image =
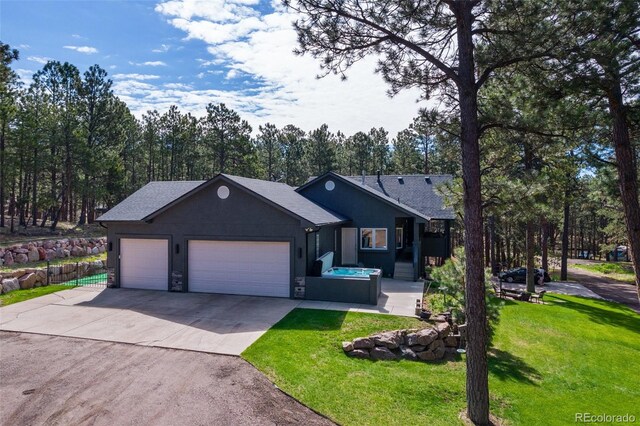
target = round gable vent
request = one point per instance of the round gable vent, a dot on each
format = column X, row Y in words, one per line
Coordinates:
column 223, row 192
column 329, row 185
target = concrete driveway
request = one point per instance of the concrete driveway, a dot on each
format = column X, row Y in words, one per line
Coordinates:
column 48, row 380
column 212, row 323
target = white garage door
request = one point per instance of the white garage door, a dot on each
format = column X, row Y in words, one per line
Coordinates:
column 239, row 267
column 144, row 263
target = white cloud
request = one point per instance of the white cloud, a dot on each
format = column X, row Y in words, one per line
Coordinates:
column 283, row 88
column 23, row 46
column 162, row 49
column 83, row 49
column 177, row 86
column 25, row 75
column 39, row 59
column 149, row 64
column 113, row 67
column 136, row 76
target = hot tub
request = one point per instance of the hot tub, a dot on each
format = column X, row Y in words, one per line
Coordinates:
column 354, row 273
column 342, row 284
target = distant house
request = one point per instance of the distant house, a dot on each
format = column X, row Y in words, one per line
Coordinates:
column 237, row 235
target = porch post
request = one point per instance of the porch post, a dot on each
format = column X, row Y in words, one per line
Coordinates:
column 416, row 250
column 447, row 237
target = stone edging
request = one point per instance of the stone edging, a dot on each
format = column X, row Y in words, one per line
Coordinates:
column 427, row 344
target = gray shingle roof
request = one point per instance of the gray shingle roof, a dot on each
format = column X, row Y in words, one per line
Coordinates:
column 413, row 191
column 286, row 197
column 149, row 199
column 156, row 195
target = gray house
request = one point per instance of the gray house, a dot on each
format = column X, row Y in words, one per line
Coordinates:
column 237, row 235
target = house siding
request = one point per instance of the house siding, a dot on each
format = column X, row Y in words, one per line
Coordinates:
column 365, row 211
column 204, row 216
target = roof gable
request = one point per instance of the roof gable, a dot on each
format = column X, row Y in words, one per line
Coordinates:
column 156, row 197
column 414, row 195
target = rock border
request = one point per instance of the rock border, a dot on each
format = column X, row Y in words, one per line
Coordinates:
column 427, row 344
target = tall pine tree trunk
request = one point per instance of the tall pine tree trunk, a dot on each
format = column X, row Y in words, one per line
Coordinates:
column 477, row 383
column 627, row 175
column 565, row 237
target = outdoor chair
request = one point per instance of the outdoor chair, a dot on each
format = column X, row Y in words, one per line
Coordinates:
column 537, row 297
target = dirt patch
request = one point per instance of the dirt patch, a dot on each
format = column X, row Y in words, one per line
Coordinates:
column 59, row 380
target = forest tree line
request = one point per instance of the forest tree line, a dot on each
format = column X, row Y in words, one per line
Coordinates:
column 70, row 146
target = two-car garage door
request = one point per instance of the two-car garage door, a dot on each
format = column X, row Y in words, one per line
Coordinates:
column 257, row 268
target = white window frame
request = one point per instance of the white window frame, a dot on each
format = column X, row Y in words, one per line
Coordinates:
column 373, row 239
column 400, row 232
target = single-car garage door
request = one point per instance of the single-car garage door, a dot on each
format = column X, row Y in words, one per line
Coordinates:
column 256, row 268
column 144, row 263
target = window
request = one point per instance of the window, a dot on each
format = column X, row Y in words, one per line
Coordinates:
column 373, row 238
column 399, row 238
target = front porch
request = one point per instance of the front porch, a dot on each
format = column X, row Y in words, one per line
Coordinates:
column 418, row 245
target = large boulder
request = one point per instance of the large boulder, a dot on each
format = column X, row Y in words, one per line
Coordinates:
column 33, row 255
column 363, row 343
column 382, row 353
column 390, row 339
column 95, row 250
column 411, row 339
column 8, row 258
column 347, row 346
column 451, row 341
column 42, row 253
column 10, row 284
column 48, row 245
column 101, row 249
column 426, row 336
column 68, row 267
column 426, row 356
column 51, row 254
column 77, row 251
column 444, row 329
column 27, row 281
column 22, row 258
column 407, row 353
column 359, row 353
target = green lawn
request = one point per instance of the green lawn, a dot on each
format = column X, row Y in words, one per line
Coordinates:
column 548, row 362
column 22, row 295
column 621, row 271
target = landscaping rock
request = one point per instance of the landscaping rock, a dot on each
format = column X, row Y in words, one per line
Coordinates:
column 359, row 353
column 95, row 250
column 8, row 258
column 390, row 339
column 347, row 346
column 10, row 284
column 42, row 254
column 27, row 281
column 77, row 251
column 68, row 267
column 426, row 356
column 426, row 336
column 407, row 353
column 363, row 343
column 381, row 353
column 436, row 344
column 1, row 289
column 444, row 329
column 22, row 258
column 411, row 339
column 33, row 255
column 60, row 252
column 451, row 341
column 418, row 348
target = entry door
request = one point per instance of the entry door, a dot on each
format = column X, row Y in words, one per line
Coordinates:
column 144, row 263
column 349, row 246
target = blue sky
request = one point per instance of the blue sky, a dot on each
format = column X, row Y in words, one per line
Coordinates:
column 192, row 52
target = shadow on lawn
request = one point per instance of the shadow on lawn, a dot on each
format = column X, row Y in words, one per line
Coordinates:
column 311, row 319
column 506, row 366
column 603, row 312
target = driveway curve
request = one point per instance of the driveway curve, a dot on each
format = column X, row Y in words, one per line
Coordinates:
column 59, row 381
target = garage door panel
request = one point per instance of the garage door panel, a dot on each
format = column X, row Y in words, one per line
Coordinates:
column 256, row 268
column 144, row 263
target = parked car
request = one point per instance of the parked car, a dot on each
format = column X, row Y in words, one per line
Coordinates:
column 622, row 256
column 520, row 275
